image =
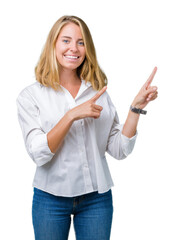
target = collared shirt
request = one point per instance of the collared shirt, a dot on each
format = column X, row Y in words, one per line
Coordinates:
column 79, row 166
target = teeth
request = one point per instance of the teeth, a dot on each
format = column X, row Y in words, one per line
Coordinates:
column 73, row 57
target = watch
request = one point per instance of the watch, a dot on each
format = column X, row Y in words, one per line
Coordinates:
column 138, row 110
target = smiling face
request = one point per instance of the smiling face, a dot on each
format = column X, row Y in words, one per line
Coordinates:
column 70, row 49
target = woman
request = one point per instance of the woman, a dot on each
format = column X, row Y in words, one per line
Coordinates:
column 68, row 122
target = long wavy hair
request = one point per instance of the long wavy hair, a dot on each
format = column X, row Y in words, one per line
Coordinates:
column 47, row 68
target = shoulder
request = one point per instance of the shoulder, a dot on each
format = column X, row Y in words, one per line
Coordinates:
column 34, row 91
column 107, row 102
column 30, row 89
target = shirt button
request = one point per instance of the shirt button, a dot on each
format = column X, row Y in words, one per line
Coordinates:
column 86, row 166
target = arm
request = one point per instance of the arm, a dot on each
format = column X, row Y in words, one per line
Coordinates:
column 35, row 138
column 145, row 95
column 56, row 135
column 130, row 126
column 41, row 146
column 87, row 109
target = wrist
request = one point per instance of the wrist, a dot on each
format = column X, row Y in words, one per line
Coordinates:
column 70, row 116
column 135, row 104
column 137, row 110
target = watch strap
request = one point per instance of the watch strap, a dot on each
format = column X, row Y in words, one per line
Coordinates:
column 137, row 110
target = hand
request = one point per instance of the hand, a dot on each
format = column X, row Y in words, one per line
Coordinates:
column 88, row 108
column 147, row 93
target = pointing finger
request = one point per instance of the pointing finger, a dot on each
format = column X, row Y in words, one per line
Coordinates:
column 99, row 93
column 149, row 80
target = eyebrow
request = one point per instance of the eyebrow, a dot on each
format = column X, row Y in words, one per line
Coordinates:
column 71, row 38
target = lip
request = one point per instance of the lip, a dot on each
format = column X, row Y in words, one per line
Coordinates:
column 71, row 57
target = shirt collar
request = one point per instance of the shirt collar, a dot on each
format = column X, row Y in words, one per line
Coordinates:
column 84, row 85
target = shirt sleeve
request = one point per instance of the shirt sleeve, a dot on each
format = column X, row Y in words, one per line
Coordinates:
column 35, row 138
column 119, row 146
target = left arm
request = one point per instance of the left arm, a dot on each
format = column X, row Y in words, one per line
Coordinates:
column 146, row 94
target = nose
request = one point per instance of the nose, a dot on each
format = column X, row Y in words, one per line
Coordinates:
column 73, row 47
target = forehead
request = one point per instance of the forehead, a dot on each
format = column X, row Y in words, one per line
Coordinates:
column 71, row 29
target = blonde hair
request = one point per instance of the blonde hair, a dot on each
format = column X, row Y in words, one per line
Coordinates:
column 47, row 70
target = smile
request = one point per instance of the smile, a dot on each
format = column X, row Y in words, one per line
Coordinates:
column 71, row 57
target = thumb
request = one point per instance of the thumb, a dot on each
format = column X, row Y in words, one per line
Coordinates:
column 150, row 90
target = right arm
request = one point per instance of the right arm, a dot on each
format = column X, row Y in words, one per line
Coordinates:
column 56, row 135
column 87, row 109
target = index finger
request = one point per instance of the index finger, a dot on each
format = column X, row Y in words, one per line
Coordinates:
column 149, row 80
column 99, row 93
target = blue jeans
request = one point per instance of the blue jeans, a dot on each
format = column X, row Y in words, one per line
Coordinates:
column 92, row 216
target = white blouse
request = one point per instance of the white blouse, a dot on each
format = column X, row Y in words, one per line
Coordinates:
column 79, row 166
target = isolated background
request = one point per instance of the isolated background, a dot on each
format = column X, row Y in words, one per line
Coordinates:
column 131, row 37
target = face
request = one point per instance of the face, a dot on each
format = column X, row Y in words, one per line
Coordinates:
column 70, row 49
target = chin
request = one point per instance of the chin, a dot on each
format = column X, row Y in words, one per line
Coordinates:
column 71, row 66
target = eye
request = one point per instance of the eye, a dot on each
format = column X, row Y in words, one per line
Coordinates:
column 81, row 43
column 65, row 40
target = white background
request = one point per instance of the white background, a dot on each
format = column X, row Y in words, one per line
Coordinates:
column 131, row 38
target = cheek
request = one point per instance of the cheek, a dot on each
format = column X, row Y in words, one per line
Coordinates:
column 60, row 49
column 59, row 53
column 83, row 53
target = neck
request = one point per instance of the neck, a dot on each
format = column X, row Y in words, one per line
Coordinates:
column 68, row 77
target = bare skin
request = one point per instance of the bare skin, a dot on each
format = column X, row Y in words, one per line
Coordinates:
column 70, row 44
column 146, row 94
column 84, row 110
column 89, row 109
